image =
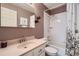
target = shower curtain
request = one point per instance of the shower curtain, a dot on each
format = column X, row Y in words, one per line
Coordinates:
column 72, row 43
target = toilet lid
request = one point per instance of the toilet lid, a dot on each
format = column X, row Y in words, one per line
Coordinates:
column 51, row 50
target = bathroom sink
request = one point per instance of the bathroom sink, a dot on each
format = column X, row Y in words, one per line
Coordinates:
column 25, row 44
column 22, row 45
column 30, row 42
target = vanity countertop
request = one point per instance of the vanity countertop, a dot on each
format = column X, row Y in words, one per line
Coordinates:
column 15, row 50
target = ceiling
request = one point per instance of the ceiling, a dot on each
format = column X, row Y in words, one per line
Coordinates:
column 25, row 6
column 30, row 7
column 52, row 5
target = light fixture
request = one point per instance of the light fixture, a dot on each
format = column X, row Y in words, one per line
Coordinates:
column 37, row 19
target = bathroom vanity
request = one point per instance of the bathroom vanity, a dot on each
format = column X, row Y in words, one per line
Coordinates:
column 38, row 51
column 34, row 47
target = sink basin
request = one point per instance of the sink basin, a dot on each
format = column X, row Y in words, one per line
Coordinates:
column 25, row 44
column 21, row 46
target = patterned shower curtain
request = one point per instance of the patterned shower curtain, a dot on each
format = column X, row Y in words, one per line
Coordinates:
column 72, row 48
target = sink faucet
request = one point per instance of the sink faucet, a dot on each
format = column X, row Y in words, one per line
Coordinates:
column 22, row 43
column 22, row 40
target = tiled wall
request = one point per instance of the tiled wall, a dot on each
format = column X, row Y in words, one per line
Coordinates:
column 13, row 33
column 58, row 28
column 39, row 28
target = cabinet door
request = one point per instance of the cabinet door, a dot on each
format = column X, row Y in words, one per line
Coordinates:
column 39, row 50
column 42, row 54
column 28, row 54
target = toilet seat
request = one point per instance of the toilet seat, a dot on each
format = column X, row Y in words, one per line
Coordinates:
column 50, row 50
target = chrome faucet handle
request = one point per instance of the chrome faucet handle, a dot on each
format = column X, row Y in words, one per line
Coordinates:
column 23, row 39
column 19, row 41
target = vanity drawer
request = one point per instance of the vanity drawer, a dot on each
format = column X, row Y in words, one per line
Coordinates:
column 39, row 50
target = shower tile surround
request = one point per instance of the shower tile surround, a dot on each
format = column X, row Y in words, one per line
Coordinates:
column 57, row 40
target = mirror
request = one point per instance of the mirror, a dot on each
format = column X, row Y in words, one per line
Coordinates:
column 17, row 15
column 8, row 17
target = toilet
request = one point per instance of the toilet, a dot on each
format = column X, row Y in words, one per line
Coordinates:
column 50, row 51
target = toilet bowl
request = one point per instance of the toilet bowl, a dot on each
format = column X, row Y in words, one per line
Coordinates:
column 50, row 51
